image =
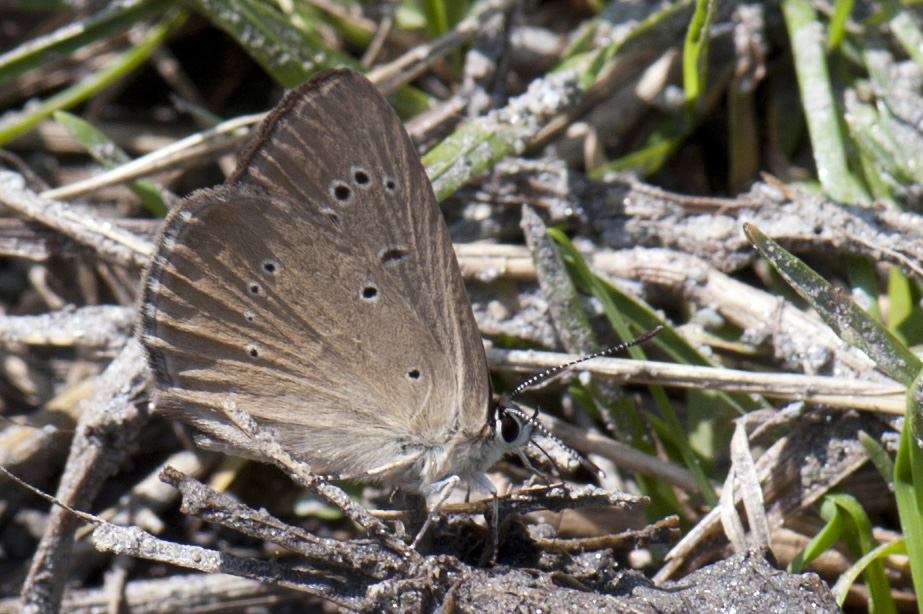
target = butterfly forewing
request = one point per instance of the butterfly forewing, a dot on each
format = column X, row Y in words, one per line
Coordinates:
column 318, row 290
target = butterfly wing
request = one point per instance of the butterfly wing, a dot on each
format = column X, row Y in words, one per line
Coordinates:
column 318, row 291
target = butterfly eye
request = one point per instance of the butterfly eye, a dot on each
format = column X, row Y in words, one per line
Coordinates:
column 510, row 427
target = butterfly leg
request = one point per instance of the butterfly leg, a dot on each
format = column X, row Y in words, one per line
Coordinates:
column 492, row 516
column 445, row 489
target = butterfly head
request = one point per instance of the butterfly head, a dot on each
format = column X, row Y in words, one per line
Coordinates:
column 510, row 427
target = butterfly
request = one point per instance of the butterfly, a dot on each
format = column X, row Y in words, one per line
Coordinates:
column 317, row 290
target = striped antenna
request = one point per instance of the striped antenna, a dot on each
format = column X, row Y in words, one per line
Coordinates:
column 553, row 371
column 506, row 402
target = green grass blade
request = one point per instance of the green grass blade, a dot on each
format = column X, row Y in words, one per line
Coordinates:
column 674, row 429
column 847, row 520
column 672, row 16
column 123, row 64
column 857, row 532
column 848, row 577
column 840, row 312
column 879, row 456
column 819, row 104
column 695, row 53
column 117, row 17
column 481, row 142
column 660, row 147
column 908, row 484
column 905, row 317
column 668, row 341
column 442, row 15
column 565, row 308
column 288, row 53
column 880, row 137
column 908, row 33
column 110, row 155
column 841, row 11
column 823, row 541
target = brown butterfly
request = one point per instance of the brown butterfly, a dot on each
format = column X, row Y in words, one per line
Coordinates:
column 318, row 291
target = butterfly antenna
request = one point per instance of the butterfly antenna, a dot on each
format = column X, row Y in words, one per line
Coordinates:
column 548, row 374
column 553, row 371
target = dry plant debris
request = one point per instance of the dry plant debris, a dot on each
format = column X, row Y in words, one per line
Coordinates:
column 603, row 170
